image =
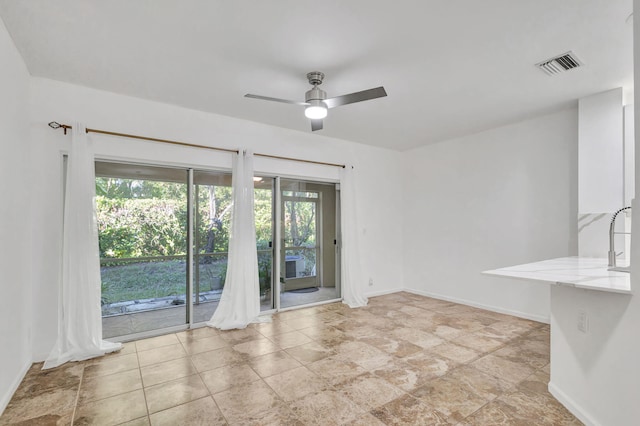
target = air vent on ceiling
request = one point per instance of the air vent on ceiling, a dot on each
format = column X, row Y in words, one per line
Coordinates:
column 565, row 62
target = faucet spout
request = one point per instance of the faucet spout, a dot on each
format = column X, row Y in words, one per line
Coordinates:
column 612, row 233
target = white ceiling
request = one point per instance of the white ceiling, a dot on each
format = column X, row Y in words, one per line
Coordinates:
column 450, row 67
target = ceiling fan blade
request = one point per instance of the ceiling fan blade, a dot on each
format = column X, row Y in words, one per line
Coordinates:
column 364, row 95
column 267, row 98
column 316, row 124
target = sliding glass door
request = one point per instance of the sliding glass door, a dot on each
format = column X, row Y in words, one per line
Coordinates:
column 146, row 217
column 142, row 223
column 164, row 241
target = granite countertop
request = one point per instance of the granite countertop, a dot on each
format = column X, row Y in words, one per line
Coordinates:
column 579, row 272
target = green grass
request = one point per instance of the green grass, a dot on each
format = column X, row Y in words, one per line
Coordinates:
column 148, row 280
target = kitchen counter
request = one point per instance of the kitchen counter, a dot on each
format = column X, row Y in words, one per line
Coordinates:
column 579, row 272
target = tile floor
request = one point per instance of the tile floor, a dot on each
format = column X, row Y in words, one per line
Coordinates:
column 402, row 360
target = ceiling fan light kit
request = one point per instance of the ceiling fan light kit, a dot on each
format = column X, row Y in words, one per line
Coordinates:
column 316, row 102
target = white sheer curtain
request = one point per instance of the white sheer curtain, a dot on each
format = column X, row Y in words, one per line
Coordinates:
column 240, row 301
column 79, row 312
column 353, row 279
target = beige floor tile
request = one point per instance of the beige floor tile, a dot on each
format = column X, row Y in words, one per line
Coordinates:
column 280, row 416
column 503, row 368
column 296, row 383
column 273, row 363
column 273, row 328
column 204, row 344
column 443, row 331
column 310, row 352
column 167, row 371
column 127, row 348
column 505, row 330
column 495, row 413
column 534, row 354
column 325, row 335
column 334, row 370
column 455, row 352
column 450, row 398
column 247, row 401
column 417, row 337
column 164, row 353
column 256, row 347
column 366, row 356
column 240, row 336
column 458, row 321
column 217, row 358
column 430, row 364
column 156, row 342
column 366, row 419
column 304, row 322
column 537, row 382
column 38, row 381
column 289, row 340
column 408, row 410
column 480, row 343
column 403, row 375
column 224, row 378
column 179, row 391
column 142, row 421
column 369, row 391
column 111, row 365
column 536, row 408
column 105, row 386
column 480, row 383
column 197, row 333
column 325, row 408
column 113, row 410
column 57, row 402
column 396, row 347
column 203, row 411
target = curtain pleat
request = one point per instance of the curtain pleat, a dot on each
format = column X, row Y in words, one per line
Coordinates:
column 353, row 279
column 240, row 300
column 79, row 310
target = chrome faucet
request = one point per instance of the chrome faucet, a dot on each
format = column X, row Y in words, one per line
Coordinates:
column 612, row 233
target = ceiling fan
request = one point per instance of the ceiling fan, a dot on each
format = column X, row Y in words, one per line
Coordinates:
column 317, row 103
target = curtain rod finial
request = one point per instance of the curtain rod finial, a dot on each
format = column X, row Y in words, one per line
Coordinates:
column 55, row 125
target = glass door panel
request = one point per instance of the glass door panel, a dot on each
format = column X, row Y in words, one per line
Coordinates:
column 308, row 266
column 142, row 225
column 263, row 207
column 212, row 213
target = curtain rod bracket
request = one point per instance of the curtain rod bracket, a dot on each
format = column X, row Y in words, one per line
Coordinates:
column 55, row 125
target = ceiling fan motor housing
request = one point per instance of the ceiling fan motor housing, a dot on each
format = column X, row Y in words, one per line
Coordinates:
column 315, row 94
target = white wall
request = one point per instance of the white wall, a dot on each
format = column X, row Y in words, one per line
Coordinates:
column 379, row 172
column 601, row 152
column 15, row 256
column 502, row 197
column 597, row 374
column 601, row 173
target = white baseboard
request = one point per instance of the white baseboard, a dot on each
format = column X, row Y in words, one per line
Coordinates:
column 6, row 398
column 570, row 405
column 525, row 315
column 383, row 292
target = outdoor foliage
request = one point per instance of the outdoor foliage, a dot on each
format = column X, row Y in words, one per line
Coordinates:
column 141, row 227
column 145, row 218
